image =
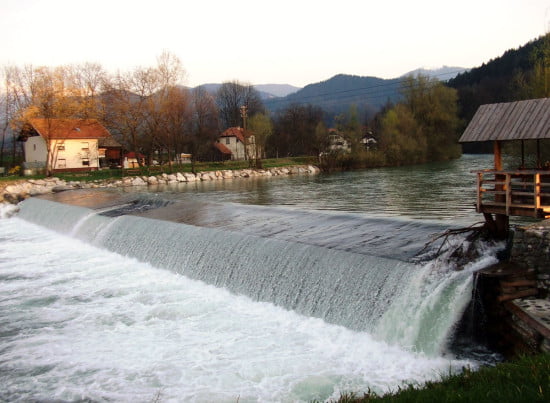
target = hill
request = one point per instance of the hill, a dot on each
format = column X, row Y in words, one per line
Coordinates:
column 277, row 90
column 338, row 93
column 441, row 73
column 266, row 91
column 510, row 77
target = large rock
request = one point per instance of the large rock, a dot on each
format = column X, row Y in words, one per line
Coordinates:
column 180, row 177
column 138, row 182
column 190, row 177
column 61, row 188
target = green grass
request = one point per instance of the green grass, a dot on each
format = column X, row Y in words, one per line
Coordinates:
column 524, row 380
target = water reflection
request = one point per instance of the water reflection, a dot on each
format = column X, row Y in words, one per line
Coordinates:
column 438, row 191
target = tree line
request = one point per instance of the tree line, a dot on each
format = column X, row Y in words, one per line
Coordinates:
column 149, row 111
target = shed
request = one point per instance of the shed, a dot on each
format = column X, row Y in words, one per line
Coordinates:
column 521, row 192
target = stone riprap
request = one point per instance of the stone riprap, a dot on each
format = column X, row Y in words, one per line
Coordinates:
column 16, row 191
column 531, row 248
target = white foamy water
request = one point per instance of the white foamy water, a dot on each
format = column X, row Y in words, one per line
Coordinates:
column 78, row 322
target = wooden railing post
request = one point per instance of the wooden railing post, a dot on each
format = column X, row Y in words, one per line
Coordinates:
column 479, row 191
column 536, row 190
column 508, row 189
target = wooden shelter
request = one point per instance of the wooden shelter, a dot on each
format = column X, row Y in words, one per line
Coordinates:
column 524, row 191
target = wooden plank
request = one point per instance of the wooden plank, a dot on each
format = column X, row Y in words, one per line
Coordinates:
column 520, row 294
column 527, row 318
column 518, row 283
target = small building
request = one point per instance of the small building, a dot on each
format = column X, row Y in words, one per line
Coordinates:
column 234, row 140
column 337, row 142
column 184, row 158
column 70, row 145
column 133, row 160
column 368, row 141
column 525, row 190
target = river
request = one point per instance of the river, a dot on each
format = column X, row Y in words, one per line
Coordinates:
column 272, row 289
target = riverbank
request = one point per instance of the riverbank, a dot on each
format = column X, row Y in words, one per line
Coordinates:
column 18, row 190
column 521, row 380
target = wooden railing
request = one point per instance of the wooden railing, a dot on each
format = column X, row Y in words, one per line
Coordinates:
column 522, row 192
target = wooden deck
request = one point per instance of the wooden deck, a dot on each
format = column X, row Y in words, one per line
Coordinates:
column 514, row 193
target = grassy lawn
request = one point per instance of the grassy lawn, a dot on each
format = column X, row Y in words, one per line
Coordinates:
column 524, row 380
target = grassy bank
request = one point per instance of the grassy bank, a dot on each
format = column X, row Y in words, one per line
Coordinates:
column 524, row 380
column 200, row 166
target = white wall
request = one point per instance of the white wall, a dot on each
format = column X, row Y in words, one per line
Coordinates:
column 237, row 147
column 75, row 154
column 35, row 150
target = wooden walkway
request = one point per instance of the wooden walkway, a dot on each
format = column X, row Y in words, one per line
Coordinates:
column 514, row 193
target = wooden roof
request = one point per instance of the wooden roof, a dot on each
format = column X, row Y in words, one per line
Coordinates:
column 520, row 120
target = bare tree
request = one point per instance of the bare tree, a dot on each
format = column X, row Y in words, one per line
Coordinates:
column 174, row 121
column 231, row 96
column 138, row 102
column 204, row 126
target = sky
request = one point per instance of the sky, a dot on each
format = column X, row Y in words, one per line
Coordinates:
column 295, row 42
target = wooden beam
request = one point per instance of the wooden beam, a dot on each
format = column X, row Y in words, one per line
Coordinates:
column 497, row 151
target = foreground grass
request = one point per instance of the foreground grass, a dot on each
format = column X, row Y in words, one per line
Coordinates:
column 524, row 380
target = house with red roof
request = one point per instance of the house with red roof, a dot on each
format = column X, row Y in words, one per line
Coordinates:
column 231, row 144
column 69, row 145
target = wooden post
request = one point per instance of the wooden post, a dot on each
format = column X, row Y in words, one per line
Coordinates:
column 501, row 220
column 497, row 151
column 479, row 191
column 508, row 189
column 536, row 189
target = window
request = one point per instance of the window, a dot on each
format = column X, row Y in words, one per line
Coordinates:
column 227, row 140
column 86, row 162
column 61, row 147
column 85, row 146
column 61, row 163
column 34, row 147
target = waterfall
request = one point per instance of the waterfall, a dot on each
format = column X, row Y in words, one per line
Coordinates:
column 415, row 306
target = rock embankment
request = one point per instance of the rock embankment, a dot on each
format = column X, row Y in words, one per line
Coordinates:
column 16, row 191
column 531, row 247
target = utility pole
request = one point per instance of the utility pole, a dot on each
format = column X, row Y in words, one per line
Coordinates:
column 244, row 116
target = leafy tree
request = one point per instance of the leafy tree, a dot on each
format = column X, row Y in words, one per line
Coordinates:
column 261, row 126
column 349, row 124
column 435, row 110
column 401, row 137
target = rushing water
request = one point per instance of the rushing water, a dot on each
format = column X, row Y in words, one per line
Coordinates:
column 280, row 289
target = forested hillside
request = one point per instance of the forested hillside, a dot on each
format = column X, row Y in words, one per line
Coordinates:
column 521, row 73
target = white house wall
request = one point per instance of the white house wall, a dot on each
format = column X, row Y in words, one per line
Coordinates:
column 237, row 147
column 35, row 151
column 75, row 154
